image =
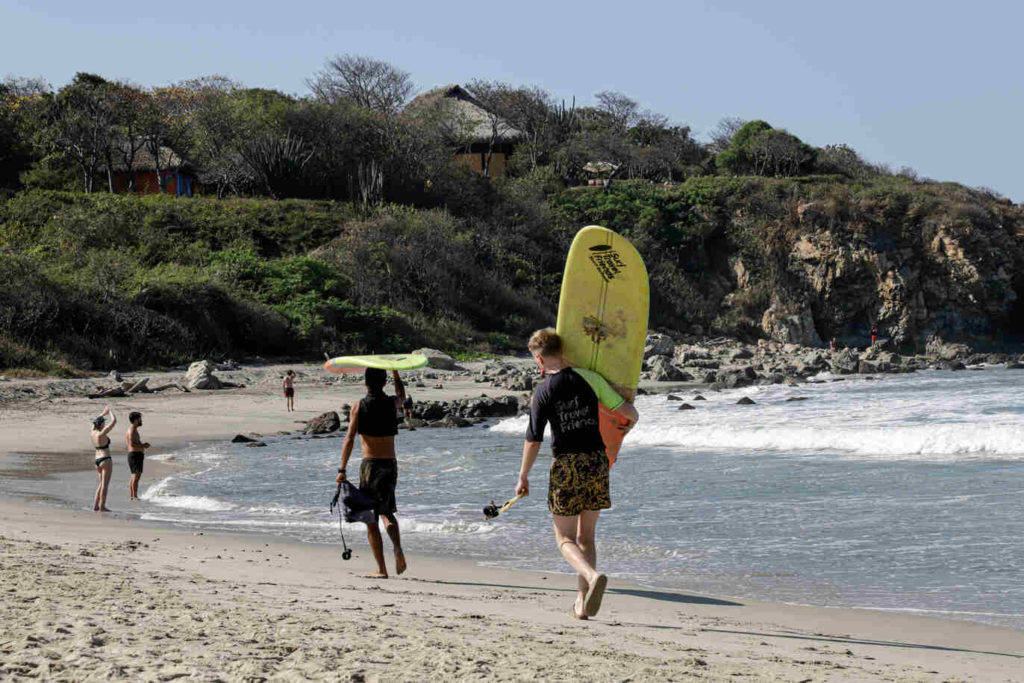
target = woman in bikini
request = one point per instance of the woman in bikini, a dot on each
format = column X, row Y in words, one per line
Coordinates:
column 578, row 485
column 104, row 463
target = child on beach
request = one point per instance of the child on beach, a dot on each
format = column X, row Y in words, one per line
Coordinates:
column 104, row 462
column 136, row 453
column 289, row 391
column 375, row 419
column 578, row 487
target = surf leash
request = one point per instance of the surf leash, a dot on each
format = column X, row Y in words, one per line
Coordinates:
column 346, row 552
column 491, row 511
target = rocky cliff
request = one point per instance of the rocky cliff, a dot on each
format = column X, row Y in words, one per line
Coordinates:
column 806, row 260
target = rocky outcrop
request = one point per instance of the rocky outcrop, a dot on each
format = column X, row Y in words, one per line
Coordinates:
column 661, row 369
column 200, row 376
column 437, row 359
column 790, row 321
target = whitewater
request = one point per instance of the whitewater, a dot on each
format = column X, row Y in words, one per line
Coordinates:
column 899, row 492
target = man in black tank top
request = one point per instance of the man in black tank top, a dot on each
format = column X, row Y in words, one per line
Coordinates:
column 374, row 419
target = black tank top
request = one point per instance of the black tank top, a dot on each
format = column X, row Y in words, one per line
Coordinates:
column 377, row 415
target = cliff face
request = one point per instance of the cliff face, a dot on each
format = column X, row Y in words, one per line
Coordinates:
column 804, row 260
column 954, row 274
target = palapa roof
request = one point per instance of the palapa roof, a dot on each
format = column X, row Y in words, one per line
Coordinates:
column 464, row 106
column 143, row 161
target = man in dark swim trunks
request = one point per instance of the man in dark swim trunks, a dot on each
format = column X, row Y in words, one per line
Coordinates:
column 375, row 419
column 136, row 454
column 289, row 391
column 578, row 486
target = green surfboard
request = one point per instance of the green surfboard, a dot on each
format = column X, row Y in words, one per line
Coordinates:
column 406, row 361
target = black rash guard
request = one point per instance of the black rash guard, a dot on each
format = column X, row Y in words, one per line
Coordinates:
column 377, row 415
column 566, row 400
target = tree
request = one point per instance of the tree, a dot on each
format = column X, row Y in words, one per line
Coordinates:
column 494, row 98
column 79, row 125
column 621, row 109
column 277, row 163
column 842, row 160
column 778, row 153
column 758, row 149
column 132, row 108
column 20, row 100
column 213, row 130
column 364, row 81
column 723, row 132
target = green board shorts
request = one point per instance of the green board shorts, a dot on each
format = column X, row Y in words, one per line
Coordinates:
column 578, row 482
column 377, row 479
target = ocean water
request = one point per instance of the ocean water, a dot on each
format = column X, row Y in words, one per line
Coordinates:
column 904, row 493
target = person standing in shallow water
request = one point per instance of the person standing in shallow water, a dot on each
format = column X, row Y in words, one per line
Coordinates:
column 578, row 487
column 289, row 391
column 104, row 461
column 136, row 454
column 375, row 419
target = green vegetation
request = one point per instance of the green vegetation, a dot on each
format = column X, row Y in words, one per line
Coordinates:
column 339, row 222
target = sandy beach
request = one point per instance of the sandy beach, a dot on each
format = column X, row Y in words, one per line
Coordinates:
column 98, row 597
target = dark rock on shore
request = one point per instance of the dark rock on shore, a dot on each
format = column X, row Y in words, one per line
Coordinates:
column 242, row 438
column 323, row 424
column 685, row 406
column 465, row 410
column 746, row 401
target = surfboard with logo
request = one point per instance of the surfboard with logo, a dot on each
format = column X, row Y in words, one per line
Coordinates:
column 602, row 315
column 406, row 361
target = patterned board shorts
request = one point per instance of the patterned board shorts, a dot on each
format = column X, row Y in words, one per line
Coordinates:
column 578, row 482
column 377, row 479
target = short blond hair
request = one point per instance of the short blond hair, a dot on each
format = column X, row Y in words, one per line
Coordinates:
column 545, row 342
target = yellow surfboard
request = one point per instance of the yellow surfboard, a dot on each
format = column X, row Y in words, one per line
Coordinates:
column 602, row 314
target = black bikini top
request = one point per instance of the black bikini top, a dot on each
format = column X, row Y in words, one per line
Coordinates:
column 102, row 448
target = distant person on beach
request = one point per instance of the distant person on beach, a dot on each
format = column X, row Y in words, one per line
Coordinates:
column 104, row 461
column 136, row 454
column 375, row 419
column 407, row 407
column 578, row 486
column 874, row 334
column 289, row 390
column 832, row 345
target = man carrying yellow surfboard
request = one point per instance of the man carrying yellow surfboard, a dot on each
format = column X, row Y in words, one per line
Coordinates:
column 375, row 420
column 578, row 487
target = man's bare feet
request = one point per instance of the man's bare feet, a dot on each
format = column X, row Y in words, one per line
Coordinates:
column 376, row 575
column 104, row 509
column 577, row 608
column 400, row 565
column 594, row 594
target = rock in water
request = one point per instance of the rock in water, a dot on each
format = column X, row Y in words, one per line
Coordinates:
column 673, row 397
column 745, row 401
column 242, row 438
column 323, row 424
column 796, row 398
column 686, row 406
column 662, row 370
column 698, row 397
column 437, row 359
column 200, row 376
column 659, row 345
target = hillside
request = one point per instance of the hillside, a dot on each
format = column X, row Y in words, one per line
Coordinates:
column 93, row 282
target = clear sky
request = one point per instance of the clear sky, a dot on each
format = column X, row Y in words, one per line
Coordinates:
column 933, row 85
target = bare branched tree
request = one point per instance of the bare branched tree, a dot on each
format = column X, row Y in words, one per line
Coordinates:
column 623, row 110
column 721, row 135
column 364, row 81
column 494, row 98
